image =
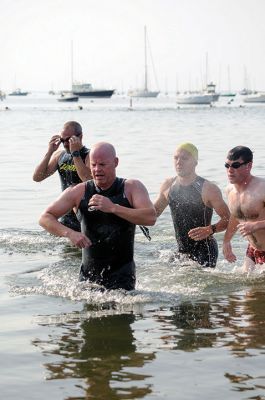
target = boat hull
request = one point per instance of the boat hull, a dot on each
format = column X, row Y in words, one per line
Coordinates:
column 18, row 94
column 228, row 95
column 255, row 99
column 68, row 98
column 143, row 93
column 196, row 99
column 94, row 93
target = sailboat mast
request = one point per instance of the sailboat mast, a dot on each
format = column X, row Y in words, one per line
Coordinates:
column 206, row 69
column 72, row 65
column 145, row 61
column 229, row 79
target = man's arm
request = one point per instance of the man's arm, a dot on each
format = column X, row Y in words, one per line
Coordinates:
column 230, row 231
column 69, row 199
column 143, row 211
column 48, row 165
column 82, row 168
column 212, row 197
column 162, row 200
column 250, row 227
column 220, row 207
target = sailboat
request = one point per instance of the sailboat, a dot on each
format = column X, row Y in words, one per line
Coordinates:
column 228, row 93
column 67, row 95
column 145, row 92
column 255, row 98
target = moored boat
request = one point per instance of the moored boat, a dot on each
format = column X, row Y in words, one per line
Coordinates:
column 2, row 95
column 210, row 89
column 68, row 97
column 18, row 92
column 86, row 90
column 191, row 98
column 145, row 92
column 228, row 94
column 255, row 98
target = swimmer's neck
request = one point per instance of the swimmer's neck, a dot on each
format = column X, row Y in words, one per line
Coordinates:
column 242, row 186
column 186, row 180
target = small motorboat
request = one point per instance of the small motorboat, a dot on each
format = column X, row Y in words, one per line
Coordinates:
column 68, row 97
column 18, row 92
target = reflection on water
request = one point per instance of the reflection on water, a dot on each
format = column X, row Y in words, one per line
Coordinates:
column 101, row 351
column 113, row 358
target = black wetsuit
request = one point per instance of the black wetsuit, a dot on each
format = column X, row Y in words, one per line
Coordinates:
column 69, row 177
column 109, row 260
column 188, row 211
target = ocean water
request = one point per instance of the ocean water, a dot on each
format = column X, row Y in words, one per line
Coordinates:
column 185, row 332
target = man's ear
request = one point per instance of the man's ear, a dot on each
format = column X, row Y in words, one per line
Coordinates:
column 249, row 165
column 116, row 161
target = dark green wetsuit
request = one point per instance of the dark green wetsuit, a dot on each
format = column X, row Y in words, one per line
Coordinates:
column 109, row 260
column 69, row 177
column 188, row 211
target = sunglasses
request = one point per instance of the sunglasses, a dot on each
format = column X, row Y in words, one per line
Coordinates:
column 67, row 139
column 236, row 165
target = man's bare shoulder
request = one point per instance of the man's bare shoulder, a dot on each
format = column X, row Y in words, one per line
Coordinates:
column 211, row 187
column 229, row 189
column 258, row 181
column 132, row 183
column 167, row 183
column 58, row 153
column 75, row 191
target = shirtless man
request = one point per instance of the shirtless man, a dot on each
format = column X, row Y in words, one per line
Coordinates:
column 109, row 208
column 246, row 201
column 71, row 162
column 192, row 200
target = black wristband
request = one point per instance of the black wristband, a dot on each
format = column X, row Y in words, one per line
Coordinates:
column 75, row 153
column 213, row 228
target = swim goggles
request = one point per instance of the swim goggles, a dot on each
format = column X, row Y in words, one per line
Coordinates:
column 236, row 164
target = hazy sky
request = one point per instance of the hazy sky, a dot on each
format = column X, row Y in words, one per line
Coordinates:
column 107, row 36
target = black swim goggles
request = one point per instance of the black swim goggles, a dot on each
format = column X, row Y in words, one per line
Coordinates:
column 236, row 164
column 67, row 139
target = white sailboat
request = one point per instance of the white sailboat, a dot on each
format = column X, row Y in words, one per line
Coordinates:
column 255, row 98
column 145, row 92
column 67, row 95
column 193, row 98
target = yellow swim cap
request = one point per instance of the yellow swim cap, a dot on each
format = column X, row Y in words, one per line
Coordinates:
column 190, row 148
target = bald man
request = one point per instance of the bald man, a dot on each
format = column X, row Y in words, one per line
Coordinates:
column 192, row 200
column 108, row 208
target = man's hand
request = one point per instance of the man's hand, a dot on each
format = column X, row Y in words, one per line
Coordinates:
column 102, row 203
column 54, row 143
column 200, row 233
column 75, row 144
column 79, row 239
column 246, row 228
column 228, row 253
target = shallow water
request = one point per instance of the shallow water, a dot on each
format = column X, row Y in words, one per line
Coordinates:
column 184, row 332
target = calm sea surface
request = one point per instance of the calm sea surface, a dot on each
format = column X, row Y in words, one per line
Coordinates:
column 184, row 333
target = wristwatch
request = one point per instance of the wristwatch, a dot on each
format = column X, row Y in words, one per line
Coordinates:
column 213, row 228
column 75, row 153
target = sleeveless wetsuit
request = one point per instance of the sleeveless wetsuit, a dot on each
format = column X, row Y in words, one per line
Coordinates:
column 188, row 211
column 109, row 260
column 69, row 177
